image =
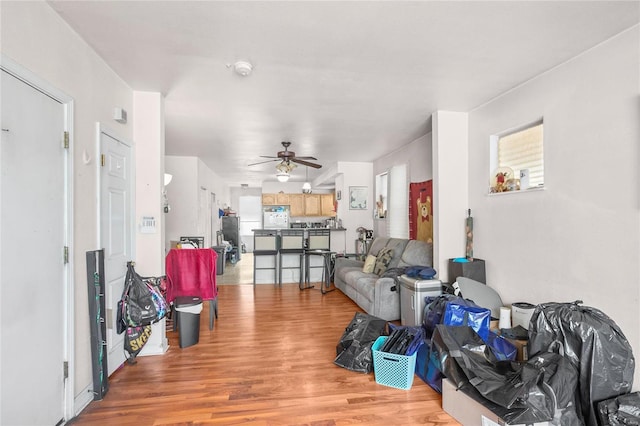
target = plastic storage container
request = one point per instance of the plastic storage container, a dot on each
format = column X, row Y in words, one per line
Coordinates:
column 521, row 313
column 188, row 310
column 461, row 267
column 221, row 252
column 412, row 294
column 392, row 370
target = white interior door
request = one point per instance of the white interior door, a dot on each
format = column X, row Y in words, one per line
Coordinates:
column 34, row 276
column 116, row 218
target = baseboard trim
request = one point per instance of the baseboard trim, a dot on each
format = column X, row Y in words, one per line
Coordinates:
column 83, row 399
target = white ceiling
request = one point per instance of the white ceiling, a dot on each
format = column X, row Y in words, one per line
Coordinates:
column 341, row 80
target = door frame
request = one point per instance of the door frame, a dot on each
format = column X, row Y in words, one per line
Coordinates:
column 41, row 85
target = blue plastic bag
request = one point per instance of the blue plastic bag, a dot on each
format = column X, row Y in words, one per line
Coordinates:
column 475, row 317
column 503, row 349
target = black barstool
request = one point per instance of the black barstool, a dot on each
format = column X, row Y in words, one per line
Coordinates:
column 291, row 243
column 319, row 244
column 265, row 244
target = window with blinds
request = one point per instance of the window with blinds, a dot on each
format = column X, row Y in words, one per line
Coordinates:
column 398, row 221
column 521, row 153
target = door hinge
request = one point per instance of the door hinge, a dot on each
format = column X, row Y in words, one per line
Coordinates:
column 66, row 254
column 65, row 369
column 66, row 140
column 102, row 160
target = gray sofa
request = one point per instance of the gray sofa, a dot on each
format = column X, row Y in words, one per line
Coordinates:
column 378, row 295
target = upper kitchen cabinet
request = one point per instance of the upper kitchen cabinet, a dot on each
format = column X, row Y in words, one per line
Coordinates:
column 296, row 204
column 282, row 199
column 327, row 207
column 312, row 205
column 301, row 205
column 269, row 200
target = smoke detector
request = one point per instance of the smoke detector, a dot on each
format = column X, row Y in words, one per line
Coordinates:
column 243, row 68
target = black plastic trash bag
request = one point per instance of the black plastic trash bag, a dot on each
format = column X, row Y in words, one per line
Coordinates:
column 542, row 389
column 593, row 343
column 623, row 410
column 354, row 349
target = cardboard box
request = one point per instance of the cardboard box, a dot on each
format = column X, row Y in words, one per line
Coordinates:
column 521, row 346
column 467, row 410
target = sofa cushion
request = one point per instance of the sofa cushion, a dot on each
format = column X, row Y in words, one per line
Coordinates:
column 382, row 261
column 377, row 245
column 366, row 287
column 416, row 253
column 352, row 276
column 398, row 246
column 369, row 263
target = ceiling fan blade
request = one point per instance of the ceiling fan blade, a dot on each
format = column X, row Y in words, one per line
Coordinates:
column 267, row 156
column 307, row 158
column 305, row 163
column 262, row 162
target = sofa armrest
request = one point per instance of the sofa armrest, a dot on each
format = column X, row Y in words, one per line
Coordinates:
column 342, row 262
column 387, row 301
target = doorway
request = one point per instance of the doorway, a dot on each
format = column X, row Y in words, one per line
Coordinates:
column 116, row 227
column 36, row 296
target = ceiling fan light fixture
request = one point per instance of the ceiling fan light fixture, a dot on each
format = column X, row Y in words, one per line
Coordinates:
column 282, row 176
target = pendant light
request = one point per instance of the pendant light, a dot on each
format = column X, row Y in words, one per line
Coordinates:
column 306, row 186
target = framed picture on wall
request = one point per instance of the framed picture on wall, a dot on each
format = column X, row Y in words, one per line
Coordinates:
column 357, row 197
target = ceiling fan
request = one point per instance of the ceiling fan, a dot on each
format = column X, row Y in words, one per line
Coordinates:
column 287, row 156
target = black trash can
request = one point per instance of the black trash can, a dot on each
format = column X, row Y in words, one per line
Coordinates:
column 220, row 251
column 188, row 310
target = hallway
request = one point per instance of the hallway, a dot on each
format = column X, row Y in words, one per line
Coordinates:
column 239, row 273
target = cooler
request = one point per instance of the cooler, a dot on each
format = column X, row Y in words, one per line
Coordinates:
column 412, row 294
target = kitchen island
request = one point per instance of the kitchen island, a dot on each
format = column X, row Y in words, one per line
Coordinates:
column 288, row 262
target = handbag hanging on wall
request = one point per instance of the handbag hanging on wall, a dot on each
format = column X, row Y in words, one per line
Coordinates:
column 140, row 308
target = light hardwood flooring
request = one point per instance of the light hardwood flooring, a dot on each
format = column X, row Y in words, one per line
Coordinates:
column 268, row 361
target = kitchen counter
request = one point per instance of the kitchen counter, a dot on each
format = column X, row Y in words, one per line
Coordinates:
column 338, row 237
column 304, row 229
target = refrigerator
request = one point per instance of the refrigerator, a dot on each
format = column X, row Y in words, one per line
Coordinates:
column 231, row 232
column 275, row 217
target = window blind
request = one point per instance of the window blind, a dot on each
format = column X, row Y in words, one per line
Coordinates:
column 398, row 202
column 524, row 150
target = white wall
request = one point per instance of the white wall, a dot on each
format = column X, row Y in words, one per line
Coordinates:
column 579, row 238
column 35, row 37
column 354, row 174
column 450, row 187
column 212, row 182
column 418, row 157
column 149, row 137
column 186, row 218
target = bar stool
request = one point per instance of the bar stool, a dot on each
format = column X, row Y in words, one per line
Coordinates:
column 291, row 242
column 319, row 242
column 265, row 245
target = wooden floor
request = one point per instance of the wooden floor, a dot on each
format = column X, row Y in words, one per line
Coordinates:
column 268, row 361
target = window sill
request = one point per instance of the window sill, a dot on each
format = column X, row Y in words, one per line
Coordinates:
column 532, row 189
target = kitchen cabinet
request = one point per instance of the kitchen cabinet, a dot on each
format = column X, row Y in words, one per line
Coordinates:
column 327, row 205
column 301, row 205
column 312, row 205
column 282, row 199
column 296, row 204
column 269, row 200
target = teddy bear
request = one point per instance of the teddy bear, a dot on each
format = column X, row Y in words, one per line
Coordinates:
column 424, row 223
column 501, row 178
